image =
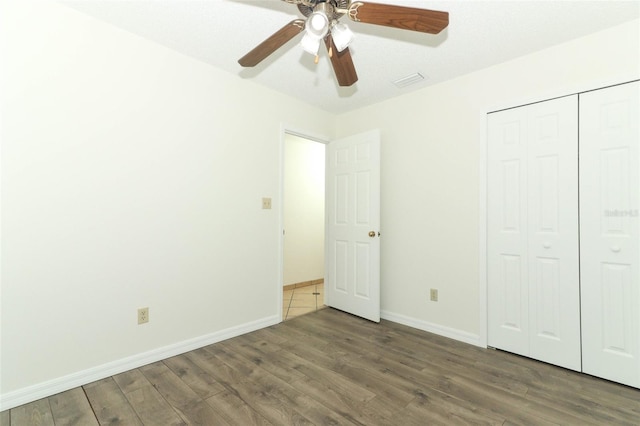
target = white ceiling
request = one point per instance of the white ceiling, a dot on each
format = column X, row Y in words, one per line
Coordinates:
column 480, row 34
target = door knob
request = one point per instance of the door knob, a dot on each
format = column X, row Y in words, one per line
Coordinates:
column 372, row 234
column 546, row 244
column 615, row 249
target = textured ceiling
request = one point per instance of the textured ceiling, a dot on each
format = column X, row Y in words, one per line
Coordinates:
column 480, row 34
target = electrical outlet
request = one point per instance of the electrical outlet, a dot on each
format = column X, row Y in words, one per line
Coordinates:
column 143, row 315
column 266, row 203
column 434, row 294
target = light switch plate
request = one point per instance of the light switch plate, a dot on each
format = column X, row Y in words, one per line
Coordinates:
column 266, row 203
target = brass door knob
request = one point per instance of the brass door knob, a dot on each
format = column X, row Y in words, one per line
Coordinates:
column 372, row 234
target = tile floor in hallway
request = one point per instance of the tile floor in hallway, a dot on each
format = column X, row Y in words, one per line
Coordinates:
column 302, row 300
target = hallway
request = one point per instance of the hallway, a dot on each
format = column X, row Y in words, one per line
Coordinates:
column 302, row 300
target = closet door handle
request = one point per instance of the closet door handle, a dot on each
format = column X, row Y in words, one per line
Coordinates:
column 615, row 249
column 546, row 244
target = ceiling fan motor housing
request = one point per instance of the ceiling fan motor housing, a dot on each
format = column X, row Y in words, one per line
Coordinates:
column 329, row 7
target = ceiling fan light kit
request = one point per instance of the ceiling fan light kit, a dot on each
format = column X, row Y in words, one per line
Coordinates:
column 322, row 24
column 317, row 25
column 310, row 44
column 316, row 29
column 342, row 36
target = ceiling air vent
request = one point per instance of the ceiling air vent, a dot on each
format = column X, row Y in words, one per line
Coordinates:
column 408, row 80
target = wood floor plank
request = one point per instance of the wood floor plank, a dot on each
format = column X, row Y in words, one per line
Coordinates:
column 235, row 366
column 357, row 370
column 220, row 371
column 369, row 407
column 109, row 404
column 366, row 375
column 72, row 408
column 268, row 360
column 266, row 335
column 280, row 388
column 35, row 413
column 237, row 412
column 5, row 418
column 237, row 378
column 201, row 382
column 440, row 408
column 298, row 336
column 438, row 360
column 315, row 411
column 436, row 377
column 145, row 400
column 586, row 408
column 391, row 370
column 270, row 334
column 514, row 408
column 266, row 383
column 340, row 384
column 354, row 411
column 152, row 408
column 131, row 380
column 180, row 396
column 442, row 363
column 273, row 409
column 364, row 356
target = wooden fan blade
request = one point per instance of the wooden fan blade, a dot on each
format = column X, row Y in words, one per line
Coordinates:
column 273, row 43
column 406, row 18
column 342, row 63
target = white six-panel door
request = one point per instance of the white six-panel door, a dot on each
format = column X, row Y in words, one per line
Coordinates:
column 533, row 278
column 352, row 272
column 610, row 232
column 508, row 294
column 554, row 281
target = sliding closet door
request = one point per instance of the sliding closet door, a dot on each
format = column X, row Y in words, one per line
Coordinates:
column 533, row 280
column 610, row 232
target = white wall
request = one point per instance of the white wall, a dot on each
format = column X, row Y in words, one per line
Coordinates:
column 303, row 210
column 432, row 157
column 130, row 179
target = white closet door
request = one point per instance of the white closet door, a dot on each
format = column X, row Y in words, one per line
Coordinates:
column 610, row 232
column 554, row 280
column 533, row 280
column 508, row 295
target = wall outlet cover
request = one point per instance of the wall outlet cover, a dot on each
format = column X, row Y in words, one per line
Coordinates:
column 143, row 315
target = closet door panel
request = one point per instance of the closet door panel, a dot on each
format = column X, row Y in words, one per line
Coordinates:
column 533, row 280
column 610, row 232
column 508, row 304
column 554, row 286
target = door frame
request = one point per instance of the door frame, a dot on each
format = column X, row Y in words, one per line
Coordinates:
column 287, row 129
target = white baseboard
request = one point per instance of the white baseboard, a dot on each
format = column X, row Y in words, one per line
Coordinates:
column 80, row 378
column 452, row 333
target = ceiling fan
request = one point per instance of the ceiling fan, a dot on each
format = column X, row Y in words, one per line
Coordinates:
column 322, row 23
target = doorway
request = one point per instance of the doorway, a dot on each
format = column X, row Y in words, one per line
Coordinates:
column 303, row 219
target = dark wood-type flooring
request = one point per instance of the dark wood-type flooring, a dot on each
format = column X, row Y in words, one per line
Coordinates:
column 329, row 367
